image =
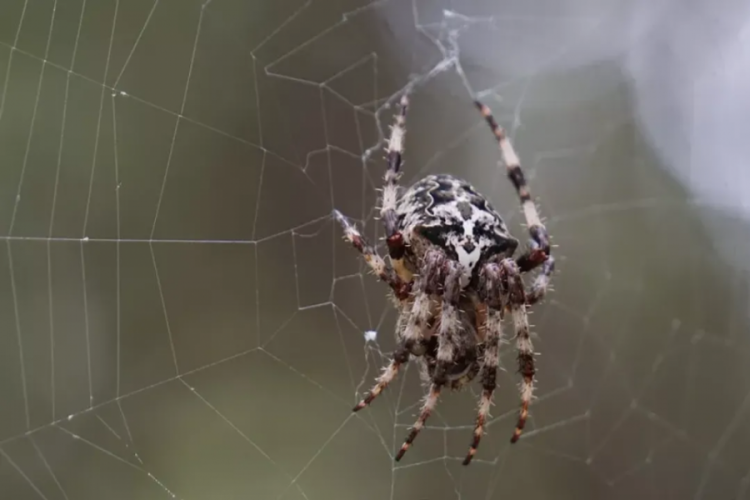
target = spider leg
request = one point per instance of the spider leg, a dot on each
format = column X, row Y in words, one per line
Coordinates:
column 409, row 332
column 526, row 367
column 385, row 272
column 449, row 326
column 400, row 357
column 492, row 299
column 541, row 283
column 395, row 149
column 490, row 360
column 429, row 405
column 539, row 252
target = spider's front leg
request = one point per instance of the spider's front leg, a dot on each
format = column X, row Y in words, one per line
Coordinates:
column 489, row 366
column 450, row 325
column 518, row 302
column 501, row 287
column 493, row 294
column 395, row 150
column 539, row 252
column 400, row 358
column 409, row 331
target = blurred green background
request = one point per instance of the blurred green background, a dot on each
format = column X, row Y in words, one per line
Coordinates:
column 179, row 316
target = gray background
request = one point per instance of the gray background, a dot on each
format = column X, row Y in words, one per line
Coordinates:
column 180, row 317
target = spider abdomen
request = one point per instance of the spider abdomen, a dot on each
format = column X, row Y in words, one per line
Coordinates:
column 446, row 211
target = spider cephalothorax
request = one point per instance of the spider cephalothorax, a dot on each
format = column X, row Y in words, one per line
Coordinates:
column 454, row 277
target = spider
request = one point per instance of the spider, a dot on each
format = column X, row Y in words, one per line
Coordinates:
column 453, row 278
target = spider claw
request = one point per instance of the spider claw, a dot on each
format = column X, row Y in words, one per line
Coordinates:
column 365, row 402
column 359, row 406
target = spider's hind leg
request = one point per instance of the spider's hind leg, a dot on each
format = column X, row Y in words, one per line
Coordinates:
column 395, row 150
column 539, row 252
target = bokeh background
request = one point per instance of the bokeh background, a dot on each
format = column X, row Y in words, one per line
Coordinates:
column 180, row 318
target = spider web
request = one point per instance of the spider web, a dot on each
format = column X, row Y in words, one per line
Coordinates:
column 180, row 317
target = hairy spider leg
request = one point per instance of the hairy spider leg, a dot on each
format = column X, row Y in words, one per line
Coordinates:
column 518, row 303
column 489, row 365
column 384, row 271
column 427, row 407
column 395, row 150
column 400, row 357
column 493, row 294
column 408, row 334
column 450, row 325
column 525, row 365
column 539, row 252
